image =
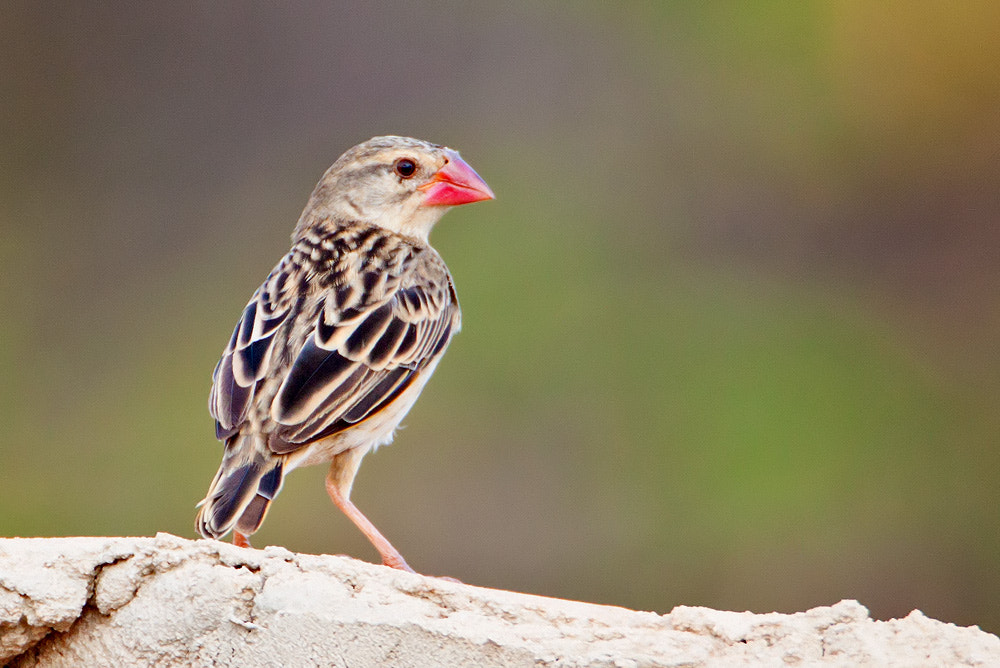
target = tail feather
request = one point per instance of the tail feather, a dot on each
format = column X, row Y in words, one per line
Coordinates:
column 255, row 511
column 248, row 479
column 253, row 515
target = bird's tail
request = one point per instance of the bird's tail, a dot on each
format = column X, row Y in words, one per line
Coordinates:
column 248, row 480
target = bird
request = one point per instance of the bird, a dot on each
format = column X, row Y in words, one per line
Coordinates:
column 334, row 347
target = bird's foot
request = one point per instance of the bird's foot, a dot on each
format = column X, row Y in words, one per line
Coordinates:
column 393, row 562
column 396, row 561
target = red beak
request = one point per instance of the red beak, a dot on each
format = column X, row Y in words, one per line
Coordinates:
column 455, row 183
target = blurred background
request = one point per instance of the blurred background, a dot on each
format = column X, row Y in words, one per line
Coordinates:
column 730, row 327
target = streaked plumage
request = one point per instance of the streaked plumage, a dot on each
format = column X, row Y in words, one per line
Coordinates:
column 335, row 346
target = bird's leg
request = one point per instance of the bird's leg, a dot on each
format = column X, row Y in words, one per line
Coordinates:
column 335, row 487
column 240, row 540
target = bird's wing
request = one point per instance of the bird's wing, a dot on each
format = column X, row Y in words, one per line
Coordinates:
column 247, row 358
column 365, row 344
column 374, row 327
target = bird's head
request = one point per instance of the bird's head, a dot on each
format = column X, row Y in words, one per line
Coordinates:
column 402, row 184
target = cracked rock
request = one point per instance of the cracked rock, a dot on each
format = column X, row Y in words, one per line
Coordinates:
column 167, row 601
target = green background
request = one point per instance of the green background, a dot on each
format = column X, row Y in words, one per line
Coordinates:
column 730, row 327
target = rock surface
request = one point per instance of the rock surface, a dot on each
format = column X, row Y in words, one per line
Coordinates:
column 167, row 601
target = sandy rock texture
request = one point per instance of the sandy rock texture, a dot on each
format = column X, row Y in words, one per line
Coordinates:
column 168, row 601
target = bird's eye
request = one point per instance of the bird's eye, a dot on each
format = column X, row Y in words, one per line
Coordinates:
column 405, row 167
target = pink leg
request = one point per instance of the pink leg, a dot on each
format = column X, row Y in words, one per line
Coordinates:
column 240, row 540
column 390, row 555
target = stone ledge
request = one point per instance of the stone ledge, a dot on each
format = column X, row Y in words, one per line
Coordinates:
column 168, row 601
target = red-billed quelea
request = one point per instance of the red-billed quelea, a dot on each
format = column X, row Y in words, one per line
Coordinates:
column 336, row 345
